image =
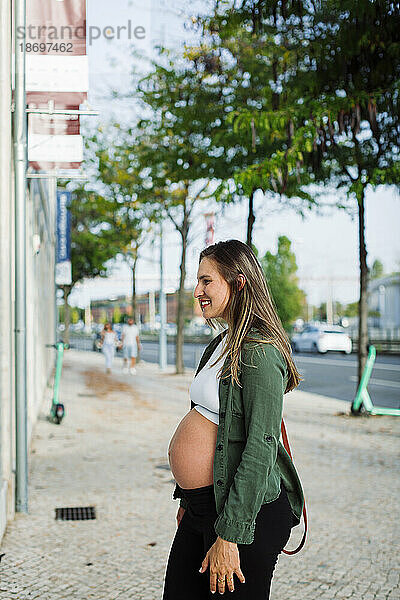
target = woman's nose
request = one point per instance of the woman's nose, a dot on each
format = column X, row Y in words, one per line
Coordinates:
column 196, row 292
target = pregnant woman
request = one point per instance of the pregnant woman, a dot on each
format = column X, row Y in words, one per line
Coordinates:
column 240, row 493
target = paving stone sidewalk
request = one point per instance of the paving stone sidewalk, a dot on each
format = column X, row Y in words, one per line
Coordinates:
column 111, row 452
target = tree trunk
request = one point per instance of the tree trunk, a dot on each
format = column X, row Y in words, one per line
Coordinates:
column 67, row 290
column 181, row 297
column 134, row 303
column 250, row 220
column 362, row 303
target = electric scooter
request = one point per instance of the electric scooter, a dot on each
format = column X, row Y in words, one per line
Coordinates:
column 57, row 411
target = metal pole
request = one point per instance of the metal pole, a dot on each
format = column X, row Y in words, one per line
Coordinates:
column 163, row 337
column 20, row 145
column 56, row 173
column 329, row 304
column 47, row 111
column 6, row 204
column 53, row 206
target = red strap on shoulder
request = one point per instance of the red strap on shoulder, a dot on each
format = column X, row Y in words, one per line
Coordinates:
column 287, row 448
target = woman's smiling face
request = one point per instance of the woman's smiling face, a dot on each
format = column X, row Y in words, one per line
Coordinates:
column 212, row 291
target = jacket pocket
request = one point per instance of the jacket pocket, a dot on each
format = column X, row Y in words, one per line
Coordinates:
column 237, row 432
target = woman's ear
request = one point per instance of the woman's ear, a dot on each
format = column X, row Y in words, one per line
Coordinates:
column 241, row 282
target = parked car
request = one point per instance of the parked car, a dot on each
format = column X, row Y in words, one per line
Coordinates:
column 322, row 338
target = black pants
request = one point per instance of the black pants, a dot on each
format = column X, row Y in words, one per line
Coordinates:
column 195, row 535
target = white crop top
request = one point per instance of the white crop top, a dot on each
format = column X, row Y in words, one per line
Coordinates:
column 204, row 387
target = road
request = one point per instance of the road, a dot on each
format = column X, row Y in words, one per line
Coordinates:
column 333, row 375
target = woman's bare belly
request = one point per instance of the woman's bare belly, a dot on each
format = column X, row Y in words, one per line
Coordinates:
column 191, row 451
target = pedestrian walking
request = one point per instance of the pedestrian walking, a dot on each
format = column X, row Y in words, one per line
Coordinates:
column 109, row 341
column 240, row 493
column 130, row 345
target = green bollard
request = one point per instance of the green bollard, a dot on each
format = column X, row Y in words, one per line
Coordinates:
column 362, row 396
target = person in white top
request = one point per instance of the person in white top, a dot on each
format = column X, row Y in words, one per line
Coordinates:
column 130, row 345
column 204, row 387
column 109, row 341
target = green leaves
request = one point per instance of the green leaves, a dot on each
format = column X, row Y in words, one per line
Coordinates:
column 327, row 95
column 115, row 213
column 280, row 271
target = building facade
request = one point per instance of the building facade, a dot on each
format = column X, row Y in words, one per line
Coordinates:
column 40, row 289
column 147, row 306
column 384, row 301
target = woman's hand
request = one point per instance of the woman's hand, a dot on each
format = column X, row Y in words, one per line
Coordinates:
column 223, row 560
column 179, row 514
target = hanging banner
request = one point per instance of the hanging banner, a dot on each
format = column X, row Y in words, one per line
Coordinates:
column 63, row 249
column 64, row 79
column 54, row 141
column 55, row 44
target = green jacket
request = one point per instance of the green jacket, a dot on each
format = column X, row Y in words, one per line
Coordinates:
column 250, row 462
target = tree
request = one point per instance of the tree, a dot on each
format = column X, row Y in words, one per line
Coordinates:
column 74, row 316
column 321, row 312
column 377, row 269
column 280, row 270
column 358, row 118
column 183, row 148
column 351, row 309
column 173, row 153
column 236, row 76
column 91, row 246
column 129, row 210
column 117, row 315
column 338, row 83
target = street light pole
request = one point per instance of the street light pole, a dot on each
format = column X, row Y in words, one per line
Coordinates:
column 162, row 304
column 20, row 145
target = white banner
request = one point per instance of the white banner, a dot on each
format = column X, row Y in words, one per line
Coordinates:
column 56, row 73
column 55, row 148
column 54, row 141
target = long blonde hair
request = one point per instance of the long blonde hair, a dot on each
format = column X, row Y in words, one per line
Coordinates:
column 249, row 306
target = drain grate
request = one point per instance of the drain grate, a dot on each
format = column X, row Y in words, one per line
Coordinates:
column 76, row 513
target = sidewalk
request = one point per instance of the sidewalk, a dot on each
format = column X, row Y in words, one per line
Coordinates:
column 111, row 452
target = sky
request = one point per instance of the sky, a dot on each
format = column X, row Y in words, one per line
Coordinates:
column 325, row 245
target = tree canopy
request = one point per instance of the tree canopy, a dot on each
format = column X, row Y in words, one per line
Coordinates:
column 333, row 101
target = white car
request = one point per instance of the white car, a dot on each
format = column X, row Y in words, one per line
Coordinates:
column 322, row 338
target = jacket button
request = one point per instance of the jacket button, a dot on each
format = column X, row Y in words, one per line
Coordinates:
column 219, row 482
column 268, row 438
column 219, row 447
column 222, row 415
column 225, row 381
